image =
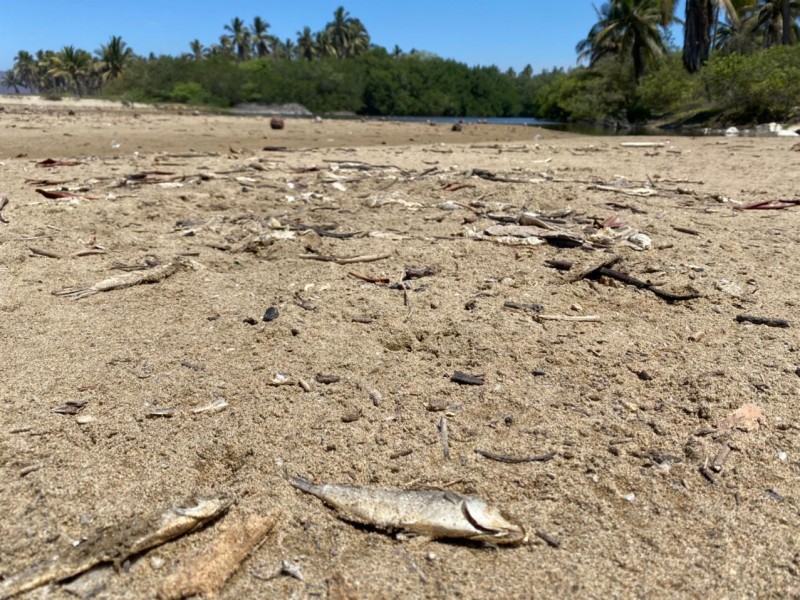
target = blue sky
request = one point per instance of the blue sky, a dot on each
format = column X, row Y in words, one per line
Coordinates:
column 506, row 33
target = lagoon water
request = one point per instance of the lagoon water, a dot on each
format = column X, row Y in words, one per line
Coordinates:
column 583, row 128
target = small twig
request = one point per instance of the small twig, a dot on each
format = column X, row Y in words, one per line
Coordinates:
column 515, row 459
column 89, row 252
column 347, row 260
column 517, row 306
column 369, row 279
column 768, row 321
column 548, row 539
column 400, row 453
column 583, row 319
column 707, row 474
column 721, row 458
column 43, row 252
column 302, row 302
column 3, row 203
column 443, row 438
column 685, row 230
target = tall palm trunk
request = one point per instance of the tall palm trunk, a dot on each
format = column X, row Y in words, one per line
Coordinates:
column 696, row 33
column 787, row 22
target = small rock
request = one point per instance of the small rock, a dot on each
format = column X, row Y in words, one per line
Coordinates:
column 270, row 315
column 437, row 405
column 276, row 123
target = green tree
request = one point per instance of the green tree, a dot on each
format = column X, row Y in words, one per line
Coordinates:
column 73, row 65
column 323, row 44
column 306, row 46
column 625, row 28
column 224, row 48
column 240, row 37
column 346, row 35
column 259, row 37
column 198, row 51
column 765, row 20
column 114, row 57
column 25, row 69
column 11, row 80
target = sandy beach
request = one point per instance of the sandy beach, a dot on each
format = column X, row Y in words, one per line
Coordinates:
column 392, row 256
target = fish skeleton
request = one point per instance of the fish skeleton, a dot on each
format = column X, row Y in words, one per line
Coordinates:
column 437, row 514
column 117, row 546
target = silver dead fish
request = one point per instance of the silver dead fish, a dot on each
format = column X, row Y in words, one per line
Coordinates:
column 117, row 546
column 436, row 514
column 126, row 280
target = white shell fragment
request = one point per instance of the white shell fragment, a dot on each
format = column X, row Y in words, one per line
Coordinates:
column 218, row 405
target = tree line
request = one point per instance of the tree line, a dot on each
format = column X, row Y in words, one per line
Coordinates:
column 739, row 57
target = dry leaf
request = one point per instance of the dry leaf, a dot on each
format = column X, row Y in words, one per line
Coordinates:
column 745, row 417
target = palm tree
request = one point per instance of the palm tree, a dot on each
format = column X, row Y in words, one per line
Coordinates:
column 306, row 48
column 198, row 52
column 259, row 38
column 11, row 80
column 765, row 19
column 625, row 27
column 25, row 69
column 72, row 65
column 240, row 38
column 114, row 57
column 224, row 48
column 323, row 43
column 697, row 33
column 339, row 31
column 357, row 38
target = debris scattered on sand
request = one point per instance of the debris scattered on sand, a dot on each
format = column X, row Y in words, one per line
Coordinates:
column 347, row 260
column 206, row 572
column 466, row 379
column 768, row 321
column 153, row 275
column 515, row 459
column 3, row 204
column 217, row 405
column 117, row 546
column 433, row 514
column 746, row 418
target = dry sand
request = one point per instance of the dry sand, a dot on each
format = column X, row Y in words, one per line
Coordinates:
column 631, row 405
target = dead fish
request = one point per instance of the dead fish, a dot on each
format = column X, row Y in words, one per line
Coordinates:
column 116, row 546
column 126, row 280
column 436, row 514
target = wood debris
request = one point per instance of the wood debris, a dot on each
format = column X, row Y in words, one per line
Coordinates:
column 206, row 572
column 116, row 546
column 347, row 260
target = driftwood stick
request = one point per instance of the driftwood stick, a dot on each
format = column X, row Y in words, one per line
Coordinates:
column 443, row 438
column 515, row 459
column 347, row 260
column 579, row 319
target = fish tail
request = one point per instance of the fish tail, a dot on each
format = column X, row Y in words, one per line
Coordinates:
column 304, row 485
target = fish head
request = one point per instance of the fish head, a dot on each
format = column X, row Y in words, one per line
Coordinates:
column 495, row 528
column 204, row 508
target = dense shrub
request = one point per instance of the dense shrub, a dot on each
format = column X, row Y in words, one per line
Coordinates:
column 669, row 88
column 762, row 86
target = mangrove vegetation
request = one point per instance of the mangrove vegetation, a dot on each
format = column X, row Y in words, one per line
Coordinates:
column 739, row 61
